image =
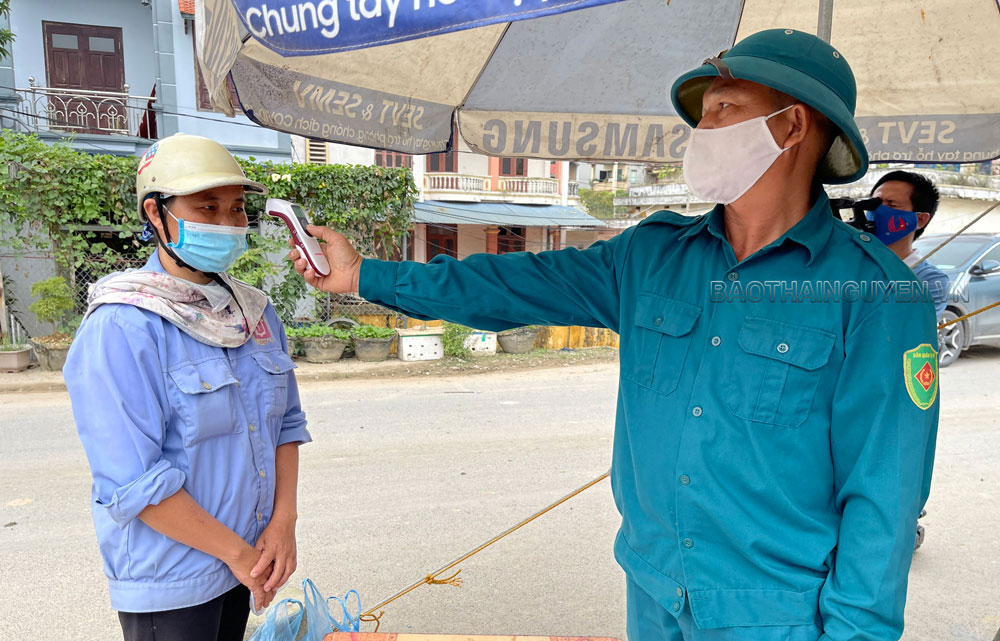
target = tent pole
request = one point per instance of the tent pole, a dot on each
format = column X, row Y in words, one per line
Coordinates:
column 824, row 26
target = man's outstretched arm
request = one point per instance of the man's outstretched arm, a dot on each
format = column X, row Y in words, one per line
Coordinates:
column 566, row 287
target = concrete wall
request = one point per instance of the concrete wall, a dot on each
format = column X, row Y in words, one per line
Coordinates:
column 470, row 163
column 349, row 155
column 582, row 239
column 21, row 274
column 535, row 239
column 471, row 240
column 955, row 213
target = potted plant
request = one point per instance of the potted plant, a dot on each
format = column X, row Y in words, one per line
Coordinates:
column 453, row 340
column 372, row 343
column 54, row 301
column 519, row 340
column 461, row 341
column 320, row 343
column 15, row 354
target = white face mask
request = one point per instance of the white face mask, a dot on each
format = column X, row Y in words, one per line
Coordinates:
column 722, row 164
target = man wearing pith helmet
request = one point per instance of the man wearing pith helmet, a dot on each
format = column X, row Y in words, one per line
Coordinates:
column 767, row 480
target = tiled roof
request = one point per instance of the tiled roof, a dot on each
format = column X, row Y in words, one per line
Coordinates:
column 187, row 7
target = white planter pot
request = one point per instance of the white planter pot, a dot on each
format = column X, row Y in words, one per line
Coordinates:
column 420, row 344
column 15, row 360
column 481, row 343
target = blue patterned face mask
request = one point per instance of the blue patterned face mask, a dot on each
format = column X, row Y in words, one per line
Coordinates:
column 209, row 248
column 892, row 224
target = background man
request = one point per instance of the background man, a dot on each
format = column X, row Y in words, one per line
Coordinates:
column 768, row 485
column 914, row 193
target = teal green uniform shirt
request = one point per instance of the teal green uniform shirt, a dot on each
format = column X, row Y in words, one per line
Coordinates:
column 776, row 416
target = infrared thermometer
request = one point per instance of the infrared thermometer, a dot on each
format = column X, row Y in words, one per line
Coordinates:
column 295, row 218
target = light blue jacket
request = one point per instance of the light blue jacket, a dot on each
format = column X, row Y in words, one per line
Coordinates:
column 770, row 452
column 158, row 411
column 937, row 284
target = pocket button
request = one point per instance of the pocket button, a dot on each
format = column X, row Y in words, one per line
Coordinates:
column 206, row 385
column 782, row 348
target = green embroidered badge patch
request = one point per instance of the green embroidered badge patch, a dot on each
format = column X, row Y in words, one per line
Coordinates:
column 920, row 370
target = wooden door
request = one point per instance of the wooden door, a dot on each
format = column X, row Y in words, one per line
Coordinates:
column 442, row 239
column 85, row 58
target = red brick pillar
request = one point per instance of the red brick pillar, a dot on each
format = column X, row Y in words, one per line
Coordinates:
column 494, row 174
column 491, row 239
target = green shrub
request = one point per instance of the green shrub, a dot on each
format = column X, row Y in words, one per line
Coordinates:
column 453, row 340
column 312, row 331
column 52, row 197
column 54, row 301
column 370, row 331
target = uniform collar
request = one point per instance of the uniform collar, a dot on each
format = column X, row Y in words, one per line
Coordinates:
column 697, row 227
column 154, row 264
column 811, row 232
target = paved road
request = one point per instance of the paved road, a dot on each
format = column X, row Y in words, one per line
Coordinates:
column 406, row 474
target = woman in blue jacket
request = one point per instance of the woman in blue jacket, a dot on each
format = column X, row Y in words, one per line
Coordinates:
column 188, row 410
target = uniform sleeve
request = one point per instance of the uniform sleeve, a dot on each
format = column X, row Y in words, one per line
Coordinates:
column 882, row 444
column 485, row 291
column 293, row 426
column 116, row 388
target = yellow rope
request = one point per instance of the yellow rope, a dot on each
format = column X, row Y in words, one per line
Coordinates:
column 961, row 318
column 374, row 615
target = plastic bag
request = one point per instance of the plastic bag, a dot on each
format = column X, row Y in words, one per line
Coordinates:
column 309, row 619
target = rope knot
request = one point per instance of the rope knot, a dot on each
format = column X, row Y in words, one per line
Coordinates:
column 454, row 580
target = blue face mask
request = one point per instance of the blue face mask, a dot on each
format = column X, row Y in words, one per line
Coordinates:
column 892, row 224
column 209, row 248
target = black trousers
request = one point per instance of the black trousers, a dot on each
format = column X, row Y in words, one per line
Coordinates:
column 224, row 618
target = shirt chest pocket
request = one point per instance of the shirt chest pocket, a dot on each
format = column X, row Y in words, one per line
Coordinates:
column 273, row 384
column 773, row 376
column 206, row 402
column 655, row 353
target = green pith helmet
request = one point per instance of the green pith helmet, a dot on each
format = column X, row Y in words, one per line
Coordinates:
column 183, row 164
column 798, row 64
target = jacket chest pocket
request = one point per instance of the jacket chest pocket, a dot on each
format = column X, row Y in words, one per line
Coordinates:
column 273, row 388
column 773, row 377
column 655, row 353
column 206, row 401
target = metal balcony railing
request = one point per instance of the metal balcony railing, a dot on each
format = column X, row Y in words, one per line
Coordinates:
column 456, row 183
column 88, row 112
column 530, row 186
